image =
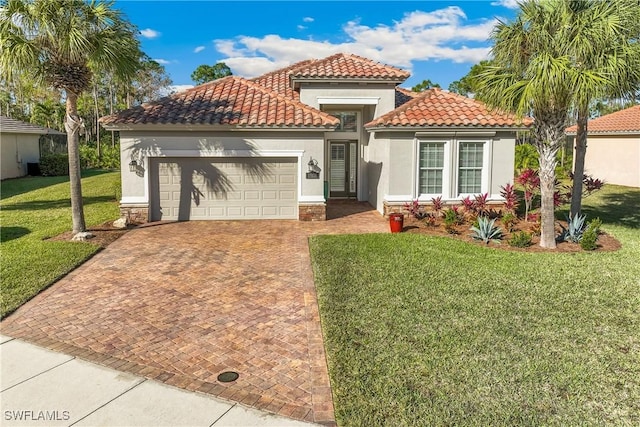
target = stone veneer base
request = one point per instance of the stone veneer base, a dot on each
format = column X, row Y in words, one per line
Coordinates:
column 312, row 212
column 135, row 214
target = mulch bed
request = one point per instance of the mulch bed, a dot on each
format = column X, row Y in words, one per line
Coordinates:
column 606, row 242
column 104, row 234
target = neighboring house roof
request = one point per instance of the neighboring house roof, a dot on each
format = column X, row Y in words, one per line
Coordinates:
column 624, row 121
column 9, row 125
column 404, row 95
column 231, row 101
column 348, row 66
column 436, row 107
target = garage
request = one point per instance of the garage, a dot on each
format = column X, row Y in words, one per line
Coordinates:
column 191, row 188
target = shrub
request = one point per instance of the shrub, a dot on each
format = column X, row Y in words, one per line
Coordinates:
column 486, row 230
column 574, row 231
column 589, row 239
column 110, row 157
column 451, row 219
column 526, row 157
column 54, row 164
column 88, row 157
column 520, row 239
column 509, row 220
column 596, row 224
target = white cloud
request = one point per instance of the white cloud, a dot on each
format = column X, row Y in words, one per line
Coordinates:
column 443, row 34
column 301, row 27
column 510, row 4
column 307, row 19
column 198, row 49
column 162, row 61
column 148, row 33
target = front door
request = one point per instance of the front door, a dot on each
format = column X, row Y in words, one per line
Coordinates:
column 343, row 168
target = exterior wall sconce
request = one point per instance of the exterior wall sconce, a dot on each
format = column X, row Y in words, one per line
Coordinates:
column 314, row 170
column 133, row 166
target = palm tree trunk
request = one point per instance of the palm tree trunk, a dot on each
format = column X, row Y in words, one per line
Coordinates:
column 97, row 118
column 547, row 187
column 72, row 126
column 578, row 168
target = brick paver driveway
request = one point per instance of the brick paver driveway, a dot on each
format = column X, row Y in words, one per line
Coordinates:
column 183, row 302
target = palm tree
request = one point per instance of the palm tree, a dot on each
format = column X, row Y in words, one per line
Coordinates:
column 61, row 43
column 529, row 76
column 553, row 58
column 602, row 40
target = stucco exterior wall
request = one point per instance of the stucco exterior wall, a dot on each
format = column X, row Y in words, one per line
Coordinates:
column 398, row 151
column 16, row 150
column 383, row 93
column 615, row 159
column 140, row 146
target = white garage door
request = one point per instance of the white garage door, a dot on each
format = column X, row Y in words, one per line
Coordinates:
column 228, row 188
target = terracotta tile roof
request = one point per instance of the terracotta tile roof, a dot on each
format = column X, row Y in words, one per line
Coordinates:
column 279, row 80
column 404, row 95
column 623, row 121
column 9, row 125
column 435, row 107
column 348, row 66
column 231, row 101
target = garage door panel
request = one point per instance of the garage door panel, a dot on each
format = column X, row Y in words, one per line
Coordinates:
column 246, row 188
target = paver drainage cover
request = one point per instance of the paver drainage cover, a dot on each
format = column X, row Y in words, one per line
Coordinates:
column 227, row 377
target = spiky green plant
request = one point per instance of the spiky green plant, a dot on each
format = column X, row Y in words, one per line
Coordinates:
column 574, row 231
column 486, row 230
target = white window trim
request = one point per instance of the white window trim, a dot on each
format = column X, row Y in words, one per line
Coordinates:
column 486, row 167
column 450, row 174
column 446, row 169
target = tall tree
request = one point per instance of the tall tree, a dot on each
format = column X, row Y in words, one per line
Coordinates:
column 206, row 73
column 468, row 85
column 602, row 42
column 530, row 75
column 424, row 85
column 60, row 42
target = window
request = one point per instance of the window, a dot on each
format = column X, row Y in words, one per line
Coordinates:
column 348, row 121
column 470, row 168
column 431, row 168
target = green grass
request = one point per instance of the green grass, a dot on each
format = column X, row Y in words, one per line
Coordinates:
column 424, row 331
column 35, row 208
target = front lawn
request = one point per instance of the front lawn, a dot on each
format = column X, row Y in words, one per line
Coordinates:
column 35, row 208
column 423, row 330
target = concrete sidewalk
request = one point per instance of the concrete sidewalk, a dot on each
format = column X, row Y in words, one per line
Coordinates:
column 39, row 387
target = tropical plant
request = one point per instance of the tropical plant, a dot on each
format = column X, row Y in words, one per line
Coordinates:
column 486, row 230
column 437, row 205
column 574, row 230
column 530, row 182
column 508, row 192
column 531, row 75
column 415, row 210
column 62, row 43
column 480, row 203
column 601, row 41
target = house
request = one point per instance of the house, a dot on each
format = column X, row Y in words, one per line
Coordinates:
column 613, row 147
column 19, row 145
column 281, row 144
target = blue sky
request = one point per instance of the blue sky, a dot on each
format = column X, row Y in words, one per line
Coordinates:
column 436, row 40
